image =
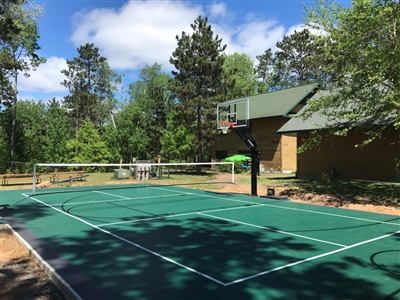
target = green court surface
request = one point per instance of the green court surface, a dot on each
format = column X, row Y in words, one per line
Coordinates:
column 167, row 242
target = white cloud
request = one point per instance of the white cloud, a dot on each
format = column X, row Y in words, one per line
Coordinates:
column 46, row 78
column 292, row 29
column 256, row 37
column 140, row 32
column 143, row 32
column 217, row 9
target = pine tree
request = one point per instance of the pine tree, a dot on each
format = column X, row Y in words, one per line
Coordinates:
column 90, row 84
column 300, row 53
column 197, row 82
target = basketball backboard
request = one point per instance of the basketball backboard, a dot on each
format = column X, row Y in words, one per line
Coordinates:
column 235, row 111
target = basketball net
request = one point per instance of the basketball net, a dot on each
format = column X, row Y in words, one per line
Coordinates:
column 225, row 125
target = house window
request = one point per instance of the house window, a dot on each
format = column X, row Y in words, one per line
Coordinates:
column 221, row 154
column 245, row 152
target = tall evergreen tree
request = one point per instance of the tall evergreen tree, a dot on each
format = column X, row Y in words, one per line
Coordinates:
column 18, row 53
column 197, row 82
column 90, row 85
column 301, row 55
column 9, row 29
column 263, row 71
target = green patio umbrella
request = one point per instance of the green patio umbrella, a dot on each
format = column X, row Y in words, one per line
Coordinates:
column 237, row 157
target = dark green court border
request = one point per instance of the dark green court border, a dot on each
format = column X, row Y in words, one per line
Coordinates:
column 56, row 267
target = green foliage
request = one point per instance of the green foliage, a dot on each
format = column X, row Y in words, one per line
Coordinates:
column 31, row 120
column 300, row 55
column 239, row 76
column 57, row 133
column 18, row 53
column 238, row 167
column 362, row 50
column 110, row 137
column 133, row 140
column 197, row 83
column 264, row 71
column 88, row 147
column 90, row 83
column 176, row 141
column 29, row 136
column 154, row 100
column 3, row 149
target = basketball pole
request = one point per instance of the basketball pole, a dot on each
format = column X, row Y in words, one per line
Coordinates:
column 255, row 156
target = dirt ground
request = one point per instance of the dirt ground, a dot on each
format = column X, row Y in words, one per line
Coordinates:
column 21, row 278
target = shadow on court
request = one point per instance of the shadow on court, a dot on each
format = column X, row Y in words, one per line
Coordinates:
column 99, row 265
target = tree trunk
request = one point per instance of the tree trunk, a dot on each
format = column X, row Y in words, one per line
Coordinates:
column 14, row 121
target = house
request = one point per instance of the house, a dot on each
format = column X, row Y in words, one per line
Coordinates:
column 267, row 113
column 339, row 154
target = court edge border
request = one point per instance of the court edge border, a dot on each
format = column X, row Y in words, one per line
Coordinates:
column 64, row 287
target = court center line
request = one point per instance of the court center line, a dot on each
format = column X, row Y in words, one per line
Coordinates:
column 129, row 242
column 116, row 200
column 176, row 215
column 274, row 230
column 310, row 259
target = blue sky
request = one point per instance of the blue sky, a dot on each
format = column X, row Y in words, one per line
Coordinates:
column 131, row 34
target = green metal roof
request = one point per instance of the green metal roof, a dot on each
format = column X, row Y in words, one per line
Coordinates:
column 279, row 103
column 317, row 120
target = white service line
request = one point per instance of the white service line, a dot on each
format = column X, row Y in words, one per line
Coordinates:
column 115, row 200
column 309, row 259
column 334, row 215
column 299, row 209
column 129, row 242
column 210, row 196
column 271, row 229
column 178, row 215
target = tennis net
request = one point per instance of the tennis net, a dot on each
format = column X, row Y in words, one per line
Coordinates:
column 53, row 178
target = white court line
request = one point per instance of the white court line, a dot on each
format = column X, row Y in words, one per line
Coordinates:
column 308, row 259
column 116, row 200
column 334, row 215
column 297, row 209
column 274, row 230
column 129, row 242
column 177, row 215
column 207, row 276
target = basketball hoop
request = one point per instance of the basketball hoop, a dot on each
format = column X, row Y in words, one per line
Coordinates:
column 225, row 125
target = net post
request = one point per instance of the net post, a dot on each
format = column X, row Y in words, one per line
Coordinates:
column 233, row 172
column 34, row 180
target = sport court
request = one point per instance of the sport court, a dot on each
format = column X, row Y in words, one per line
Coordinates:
column 169, row 242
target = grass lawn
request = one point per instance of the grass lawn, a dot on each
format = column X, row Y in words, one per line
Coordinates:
column 379, row 193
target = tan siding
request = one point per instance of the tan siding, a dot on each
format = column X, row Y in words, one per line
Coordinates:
column 289, row 156
column 275, row 155
column 375, row 161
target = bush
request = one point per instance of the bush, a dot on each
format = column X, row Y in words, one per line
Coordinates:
column 238, row 167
